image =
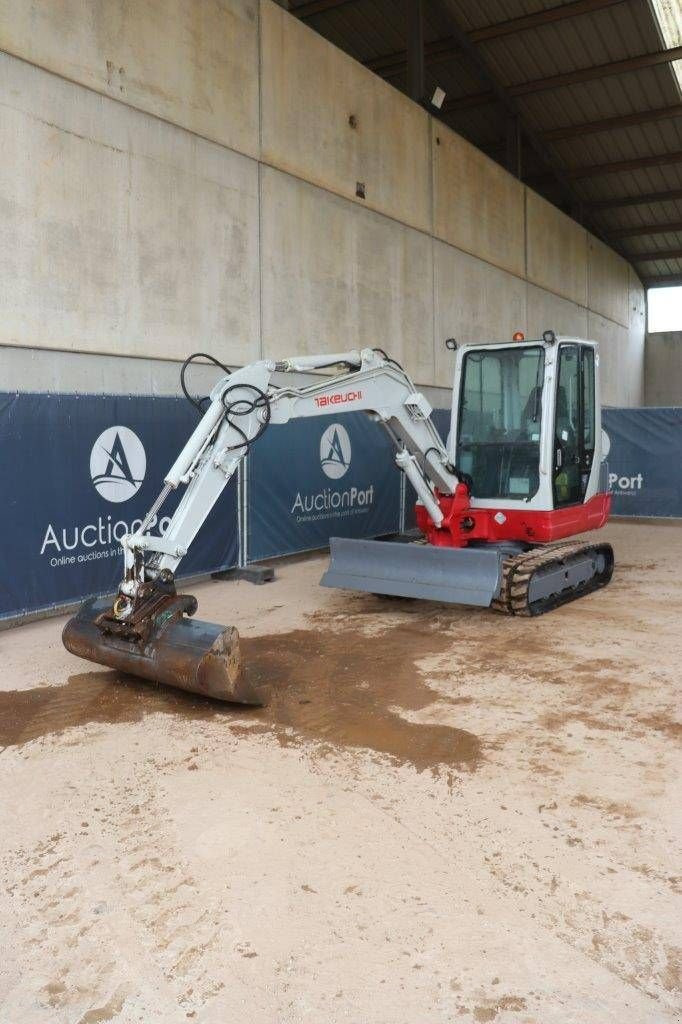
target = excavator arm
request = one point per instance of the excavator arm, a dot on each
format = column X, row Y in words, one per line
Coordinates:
column 243, row 404
column 148, row 630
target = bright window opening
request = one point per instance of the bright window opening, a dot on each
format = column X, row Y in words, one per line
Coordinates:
column 664, row 309
column 669, row 17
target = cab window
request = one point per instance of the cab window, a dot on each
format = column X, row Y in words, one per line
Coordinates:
column 498, row 436
column 574, row 425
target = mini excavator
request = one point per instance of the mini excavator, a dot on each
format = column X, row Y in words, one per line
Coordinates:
column 496, row 507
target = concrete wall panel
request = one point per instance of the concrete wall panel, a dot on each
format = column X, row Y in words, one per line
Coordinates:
column 120, row 233
column 191, row 62
column 547, row 311
column 336, row 276
column 663, row 369
column 474, row 302
column 556, row 250
column 636, row 337
column 478, row 206
column 328, row 120
column 619, row 382
column 608, row 282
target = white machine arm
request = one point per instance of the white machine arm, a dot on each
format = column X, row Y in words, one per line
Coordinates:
column 241, row 407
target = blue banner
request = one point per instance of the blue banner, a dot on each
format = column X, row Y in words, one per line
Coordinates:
column 79, row 471
column 645, row 461
column 317, row 478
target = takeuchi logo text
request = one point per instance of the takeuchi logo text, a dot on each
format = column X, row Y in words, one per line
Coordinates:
column 338, row 398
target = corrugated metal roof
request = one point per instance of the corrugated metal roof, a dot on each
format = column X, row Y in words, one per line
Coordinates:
column 597, row 33
column 607, row 35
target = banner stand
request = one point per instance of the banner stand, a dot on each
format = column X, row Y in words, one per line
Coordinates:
column 242, row 512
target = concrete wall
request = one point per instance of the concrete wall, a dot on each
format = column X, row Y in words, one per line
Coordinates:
column 180, row 176
column 477, row 206
column 663, row 369
column 192, row 63
column 608, row 282
column 556, row 250
column 335, row 276
column 473, row 300
column 119, row 232
column 329, row 120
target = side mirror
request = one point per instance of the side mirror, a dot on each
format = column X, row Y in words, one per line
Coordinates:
column 451, row 344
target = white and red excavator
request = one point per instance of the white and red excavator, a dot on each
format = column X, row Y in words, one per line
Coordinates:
column 521, row 473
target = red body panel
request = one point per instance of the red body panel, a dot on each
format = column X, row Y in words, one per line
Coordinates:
column 462, row 523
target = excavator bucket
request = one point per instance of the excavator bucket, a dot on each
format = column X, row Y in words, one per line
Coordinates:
column 455, row 575
column 201, row 657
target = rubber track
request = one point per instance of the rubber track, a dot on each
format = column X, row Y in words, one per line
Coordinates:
column 518, row 571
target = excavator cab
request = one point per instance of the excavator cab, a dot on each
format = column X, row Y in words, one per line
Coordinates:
column 526, row 424
column 525, row 440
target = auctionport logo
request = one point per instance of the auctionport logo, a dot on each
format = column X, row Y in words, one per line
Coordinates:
column 626, row 484
column 328, row 503
column 335, row 451
column 118, row 464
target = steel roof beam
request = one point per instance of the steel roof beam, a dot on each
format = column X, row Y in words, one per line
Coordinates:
column 641, row 200
column 614, row 166
column 646, row 229
column 474, row 99
column 648, row 257
column 395, row 63
column 415, row 54
column 664, row 281
column 307, row 10
column 607, row 124
column 545, row 17
column 614, row 67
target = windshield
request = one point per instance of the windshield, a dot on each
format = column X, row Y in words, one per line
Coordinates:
column 498, row 435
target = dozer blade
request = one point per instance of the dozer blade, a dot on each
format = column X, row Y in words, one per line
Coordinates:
column 455, row 575
column 201, row 657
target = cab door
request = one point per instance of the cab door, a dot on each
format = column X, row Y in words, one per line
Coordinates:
column 574, row 423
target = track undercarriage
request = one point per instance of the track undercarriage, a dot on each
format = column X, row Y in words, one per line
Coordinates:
column 545, row 577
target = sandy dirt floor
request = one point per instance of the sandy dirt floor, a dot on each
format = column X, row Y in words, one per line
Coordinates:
column 443, row 815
